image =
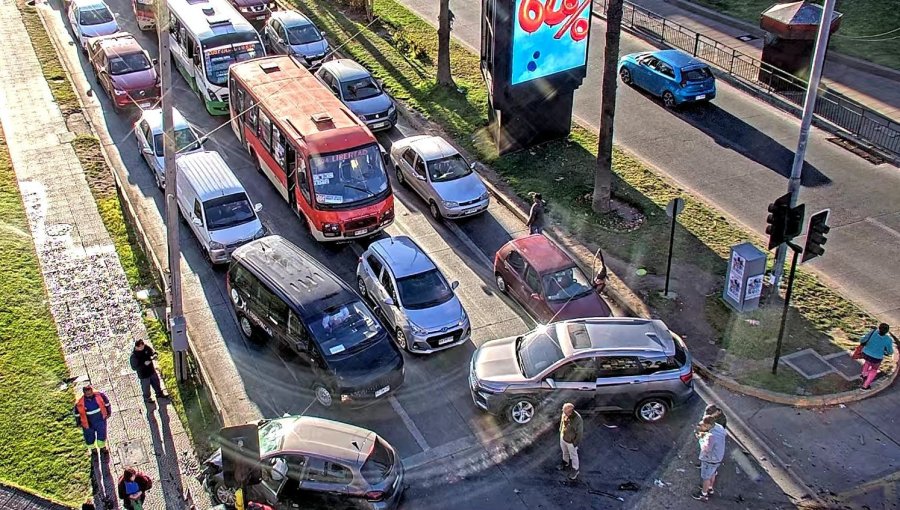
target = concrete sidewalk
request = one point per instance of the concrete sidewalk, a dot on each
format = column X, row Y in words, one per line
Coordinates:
column 96, row 314
column 878, row 92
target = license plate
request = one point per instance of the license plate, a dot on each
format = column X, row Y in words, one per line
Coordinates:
column 378, row 125
column 471, row 211
column 260, row 17
column 701, row 96
column 382, row 391
column 361, row 232
column 144, row 105
column 445, row 341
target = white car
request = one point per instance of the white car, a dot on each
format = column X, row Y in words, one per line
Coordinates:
column 90, row 18
column 440, row 175
column 148, row 131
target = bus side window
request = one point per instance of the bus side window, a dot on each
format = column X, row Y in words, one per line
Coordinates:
column 240, row 99
column 278, row 146
column 174, row 27
column 251, row 115
column 302, row 178
column 265, row 130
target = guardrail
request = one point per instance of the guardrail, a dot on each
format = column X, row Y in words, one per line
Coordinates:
column 843, row 114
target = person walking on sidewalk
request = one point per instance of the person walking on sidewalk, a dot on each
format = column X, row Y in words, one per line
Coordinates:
column 142, row 358
column 91, row 412
column 132, row 488
column 876, row 345
column 535, row 221
column 571, row 429
column 711, row 436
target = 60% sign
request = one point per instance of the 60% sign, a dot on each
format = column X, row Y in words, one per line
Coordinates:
column 533, row 13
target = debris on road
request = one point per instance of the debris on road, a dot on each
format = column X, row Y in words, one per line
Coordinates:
column 629, row 486
column 610, row 426
column 608, row 495
column 660, row 483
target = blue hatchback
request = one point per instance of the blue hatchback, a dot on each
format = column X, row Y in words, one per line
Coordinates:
column 674, row 76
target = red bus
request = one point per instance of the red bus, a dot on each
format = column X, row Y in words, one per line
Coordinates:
column 144, row 13
column 319, row 156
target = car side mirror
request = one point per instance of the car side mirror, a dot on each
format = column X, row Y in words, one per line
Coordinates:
column 389, row 301
column 197, row 221
column 257, row 207
column 279, row 40
column 550, row 382
column 379, row 83
column 473, row 165
column 155, row 61
column 454, row 285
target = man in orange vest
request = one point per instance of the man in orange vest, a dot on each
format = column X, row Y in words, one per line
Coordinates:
column 91, row 412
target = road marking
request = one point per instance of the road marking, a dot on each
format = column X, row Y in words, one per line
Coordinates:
column 884, row 227
column 416, row 433
column 440, row 452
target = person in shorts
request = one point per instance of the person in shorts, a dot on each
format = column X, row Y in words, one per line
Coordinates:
column 711, row 436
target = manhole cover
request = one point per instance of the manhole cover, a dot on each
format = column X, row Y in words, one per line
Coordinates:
column 846, row 367
column 809, row 363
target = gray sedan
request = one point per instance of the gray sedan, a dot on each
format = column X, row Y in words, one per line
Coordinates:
column 292, row 33
column 440, row 175
column 356, row 88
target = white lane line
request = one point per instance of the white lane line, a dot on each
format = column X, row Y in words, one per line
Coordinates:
column 440, row 452
column 884, row 227
column 416, row 433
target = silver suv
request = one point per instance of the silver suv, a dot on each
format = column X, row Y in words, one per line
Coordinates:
column 606, row 364
column 409, row 292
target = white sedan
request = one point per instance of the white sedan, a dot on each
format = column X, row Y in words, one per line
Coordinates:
column 90, row 18
column 148, row 131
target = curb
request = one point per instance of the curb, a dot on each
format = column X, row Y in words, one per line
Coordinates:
column 834, row 56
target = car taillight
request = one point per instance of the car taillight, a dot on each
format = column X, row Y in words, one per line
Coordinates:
column 687, row 378
column 375, row 495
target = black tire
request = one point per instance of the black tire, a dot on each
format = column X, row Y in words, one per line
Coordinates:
column 521, row 411
column 323, row 395
column 625, row 75
column 652, row 410
column 668, row 99
column 402, row 342
column 435, row 212
column 222, row 494
column 249, row 330
column 500, row 282
column 400, row 179
column 363, row 291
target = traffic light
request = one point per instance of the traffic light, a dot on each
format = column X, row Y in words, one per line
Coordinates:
column 777, row 220
column 815, row 236
column 794, row 222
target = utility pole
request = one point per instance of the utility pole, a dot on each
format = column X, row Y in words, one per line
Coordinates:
column 809, row 106
column 175, row 318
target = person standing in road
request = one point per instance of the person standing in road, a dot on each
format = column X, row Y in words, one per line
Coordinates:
column 711, row 436
column 91, row 412
column 876, row 345
column 571, row 429
column 535, row 221
column 142, row 358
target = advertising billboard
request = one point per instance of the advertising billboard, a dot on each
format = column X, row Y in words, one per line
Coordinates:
column 549, row 36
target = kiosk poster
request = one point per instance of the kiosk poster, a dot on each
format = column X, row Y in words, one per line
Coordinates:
column 736, row 277
column 549, row 36
column 754, row 287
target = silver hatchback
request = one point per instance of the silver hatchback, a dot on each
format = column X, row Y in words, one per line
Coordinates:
column 356, row 88
column 440, row 175
column 409, row 292
column 608, row 364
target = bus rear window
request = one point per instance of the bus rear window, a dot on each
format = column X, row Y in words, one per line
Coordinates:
column 378, row 466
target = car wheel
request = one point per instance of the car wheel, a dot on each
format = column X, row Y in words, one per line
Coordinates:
column 501, row 283
column 323, row 395
column 401, row 340
column 435, row 212
column 668, row 99
column 247, row 327
column 521, row 411
column 400, row 179
column 362, row 288
column 652, row 410
column 625, row 74
column 223, row 495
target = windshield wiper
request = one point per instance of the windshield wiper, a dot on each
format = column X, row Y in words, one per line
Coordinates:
column 358, row 188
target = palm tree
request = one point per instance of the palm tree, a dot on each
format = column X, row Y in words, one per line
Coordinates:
column 603, row 175
column 445, row 22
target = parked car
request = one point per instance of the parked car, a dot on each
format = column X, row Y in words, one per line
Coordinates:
column 148, row 132
column 254, row 10
column 279, row 292
column 413, row 297
column 315, row 463
column 440, row 175
column 90, row 18
column 215, row 205
column 292, row 33
column 125, row 71
column 547, row 282
column 356, row 88
column 674, row 76
column 607, row 364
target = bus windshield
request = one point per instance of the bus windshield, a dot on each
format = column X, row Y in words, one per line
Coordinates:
column 218, row 60
column 346, row 177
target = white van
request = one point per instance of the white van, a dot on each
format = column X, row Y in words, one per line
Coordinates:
column 215, row 204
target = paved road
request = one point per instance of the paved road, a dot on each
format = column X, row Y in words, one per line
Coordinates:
column 737, row 154
column 456, row 456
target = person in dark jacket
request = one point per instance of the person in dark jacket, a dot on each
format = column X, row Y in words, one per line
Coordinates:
column 125, row 488
column 571, row 430
column 142, row 358
column 535, row 221
column 91, row 412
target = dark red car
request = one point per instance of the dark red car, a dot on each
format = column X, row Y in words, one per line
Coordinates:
column 125, row 71
column 546, row 282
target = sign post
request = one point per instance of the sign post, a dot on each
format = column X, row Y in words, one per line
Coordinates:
column 676, row 205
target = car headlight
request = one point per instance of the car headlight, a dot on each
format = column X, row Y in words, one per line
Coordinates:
column 463, row 320
column 245, row 9
column 213, row 245
column 212, row 95
column 392, row 110
column 416, row 329
column 484, row 196
column 449, row 204
column 260, row 233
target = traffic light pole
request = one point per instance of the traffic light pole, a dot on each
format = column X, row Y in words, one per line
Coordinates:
column 809, row 106
column 787, row 302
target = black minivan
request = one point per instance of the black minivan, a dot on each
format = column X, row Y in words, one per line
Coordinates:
column 280, row 292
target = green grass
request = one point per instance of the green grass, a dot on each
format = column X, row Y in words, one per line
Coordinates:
column 861, row 18
column 56, row 76
column 42, row 449
column 401, row 50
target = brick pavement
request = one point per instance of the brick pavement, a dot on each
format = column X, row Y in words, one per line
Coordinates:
column 96, row 313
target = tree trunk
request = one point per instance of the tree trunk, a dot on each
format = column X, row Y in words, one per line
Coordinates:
column 603, row 175
column 443, row 71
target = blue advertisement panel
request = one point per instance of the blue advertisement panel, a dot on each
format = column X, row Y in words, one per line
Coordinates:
column 549, row 36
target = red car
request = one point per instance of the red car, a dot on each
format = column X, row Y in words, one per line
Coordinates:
column 125, row 71
column 546, row 282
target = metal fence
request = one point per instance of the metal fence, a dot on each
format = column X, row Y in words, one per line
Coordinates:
column 845, row 114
